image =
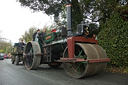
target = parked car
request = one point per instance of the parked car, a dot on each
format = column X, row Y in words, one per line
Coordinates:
column 10, row 56
column 2, row 56
column 6, row 56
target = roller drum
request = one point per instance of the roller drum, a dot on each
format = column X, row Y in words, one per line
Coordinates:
column 84, row 69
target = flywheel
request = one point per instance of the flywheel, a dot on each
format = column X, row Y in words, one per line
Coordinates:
column 31, row 59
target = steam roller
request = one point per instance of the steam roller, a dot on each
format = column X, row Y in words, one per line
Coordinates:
column 78, row 51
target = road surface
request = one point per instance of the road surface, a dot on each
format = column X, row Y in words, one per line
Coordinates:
column 11, row 74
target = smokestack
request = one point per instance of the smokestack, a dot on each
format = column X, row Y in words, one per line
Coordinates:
column 69, row 18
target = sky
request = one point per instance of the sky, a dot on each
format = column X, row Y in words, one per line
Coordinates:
column 15, row 20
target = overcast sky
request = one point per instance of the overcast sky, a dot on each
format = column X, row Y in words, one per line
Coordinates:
column 15, row 20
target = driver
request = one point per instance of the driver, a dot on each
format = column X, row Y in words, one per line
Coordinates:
column 21, row 44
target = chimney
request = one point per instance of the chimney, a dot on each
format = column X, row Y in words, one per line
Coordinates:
column 69, row 18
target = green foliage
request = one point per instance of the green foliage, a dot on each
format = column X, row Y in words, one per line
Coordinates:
column 50, row 7
column 4, row 45
column 28, row 34
column 1, row 51
column 77, row 13
column 8, row 49
column 55, row 7
column 94, row 28
column 49, row 28
column 114, row 37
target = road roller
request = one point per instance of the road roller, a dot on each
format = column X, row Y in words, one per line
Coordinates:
column 77, row 51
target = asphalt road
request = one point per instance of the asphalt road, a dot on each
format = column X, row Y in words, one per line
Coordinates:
column 18, row 75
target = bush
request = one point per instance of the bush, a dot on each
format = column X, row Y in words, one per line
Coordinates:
column 114, row 37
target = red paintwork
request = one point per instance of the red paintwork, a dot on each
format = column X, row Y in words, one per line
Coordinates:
column 54, row 30
column 83, row 60
column 48, row 37
column 99, row 60
column 71, row 44
column 71, row 60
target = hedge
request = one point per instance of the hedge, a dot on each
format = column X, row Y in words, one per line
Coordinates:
column 114, row 37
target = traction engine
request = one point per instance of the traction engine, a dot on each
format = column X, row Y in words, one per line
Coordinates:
column 78, row 51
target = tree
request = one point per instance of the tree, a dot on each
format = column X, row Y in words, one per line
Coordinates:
column 0, row 35
column 4, row 45
column 54, row 7
column 94, row 28
column 28, row 34
column 50, row 7
column 92, row 10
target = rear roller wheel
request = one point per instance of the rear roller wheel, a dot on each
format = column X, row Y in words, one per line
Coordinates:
column 83, row 69
column 17, row 60
column 31, row 59
column 12, row 59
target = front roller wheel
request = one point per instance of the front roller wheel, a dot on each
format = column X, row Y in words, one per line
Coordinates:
column 83, row 69
column 31, row 59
